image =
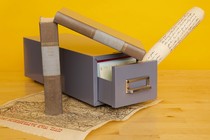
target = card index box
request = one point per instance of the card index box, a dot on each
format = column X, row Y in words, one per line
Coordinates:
column 130, row 84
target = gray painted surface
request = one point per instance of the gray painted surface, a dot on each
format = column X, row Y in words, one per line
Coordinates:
column 116, row 95
column 33, row 60
column 79, row 76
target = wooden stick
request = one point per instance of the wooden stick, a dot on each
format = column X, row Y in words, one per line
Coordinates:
column 51, row 66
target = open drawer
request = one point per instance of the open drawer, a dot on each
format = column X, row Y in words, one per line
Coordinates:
column 131, row 84
column 79, row 58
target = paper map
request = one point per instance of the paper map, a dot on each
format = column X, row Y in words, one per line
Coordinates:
column 27, row 115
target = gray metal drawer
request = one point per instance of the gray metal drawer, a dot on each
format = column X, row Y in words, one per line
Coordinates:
column 130, row 84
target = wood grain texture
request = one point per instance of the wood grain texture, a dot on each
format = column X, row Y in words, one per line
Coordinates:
column 183, row 114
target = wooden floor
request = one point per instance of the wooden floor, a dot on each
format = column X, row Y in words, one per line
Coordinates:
column 183, row 114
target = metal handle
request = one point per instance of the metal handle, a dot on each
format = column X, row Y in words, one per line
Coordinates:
column 130, row 90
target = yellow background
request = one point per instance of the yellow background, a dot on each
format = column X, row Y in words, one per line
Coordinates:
column 146, row 20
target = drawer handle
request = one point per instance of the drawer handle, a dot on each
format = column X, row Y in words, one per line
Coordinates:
column 130, row 90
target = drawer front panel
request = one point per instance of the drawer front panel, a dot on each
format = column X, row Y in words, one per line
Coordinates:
column 134, row 83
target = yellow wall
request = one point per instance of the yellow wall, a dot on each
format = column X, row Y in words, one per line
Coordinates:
column 146, row 20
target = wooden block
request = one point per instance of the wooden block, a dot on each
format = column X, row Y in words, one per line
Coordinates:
column 100, row 33
column 51, row 66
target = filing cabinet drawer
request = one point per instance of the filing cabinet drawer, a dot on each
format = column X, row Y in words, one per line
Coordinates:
column 79, row 57
column 130, row 84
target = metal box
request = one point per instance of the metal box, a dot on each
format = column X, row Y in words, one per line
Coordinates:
column 131, row 83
